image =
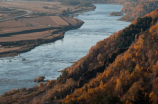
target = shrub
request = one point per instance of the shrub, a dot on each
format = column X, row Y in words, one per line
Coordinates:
column 40, row 84
column 105, row 98
column 39, row 79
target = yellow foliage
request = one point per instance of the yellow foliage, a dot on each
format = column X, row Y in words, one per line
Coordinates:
column 79, row 98
column 118, row 63
column 137, row 68
column 49, row 83
column 101, row 85
column 153, row 28
column 66, row 102
column 68, row 99
column 127, row 56
column 151, row 96
column 133, row 88
column 133, row 59
column 90, row 90
column 141, row 40
column 137, row 46
column 156, row 53
column 128, row 102
column 157, row 63
column 137, row 54
column 55, row 97
column 118, row 88
column 40, row 84
column 101, row 62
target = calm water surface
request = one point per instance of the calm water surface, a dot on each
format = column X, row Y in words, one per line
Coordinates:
column 48, row 59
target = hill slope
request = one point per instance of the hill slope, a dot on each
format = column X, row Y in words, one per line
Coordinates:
column 120, row 69
column 128, row 77
column 133, row 8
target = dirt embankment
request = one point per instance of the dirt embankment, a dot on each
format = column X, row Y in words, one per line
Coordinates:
column 30, row 34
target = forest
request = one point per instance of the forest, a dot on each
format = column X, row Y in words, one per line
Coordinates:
column 121, row 69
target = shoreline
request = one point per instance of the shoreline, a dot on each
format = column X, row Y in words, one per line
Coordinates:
column 15, row 48
column 33, row 43
column 33, row 95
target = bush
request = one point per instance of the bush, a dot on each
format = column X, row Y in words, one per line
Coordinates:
column 40, row 84
column 39, row 79
column 22, row 89
column 104, row 98
column 140, row 97
column 131, row 66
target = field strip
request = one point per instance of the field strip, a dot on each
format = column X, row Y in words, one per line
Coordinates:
column 60, row 21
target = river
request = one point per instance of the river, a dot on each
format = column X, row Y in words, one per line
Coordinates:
column 48, row 59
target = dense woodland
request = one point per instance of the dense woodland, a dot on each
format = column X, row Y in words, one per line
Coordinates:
column 121, row 69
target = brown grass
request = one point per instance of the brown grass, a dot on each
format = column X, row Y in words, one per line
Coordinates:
column 37, row 6
column 59, row 21
column 32, row 29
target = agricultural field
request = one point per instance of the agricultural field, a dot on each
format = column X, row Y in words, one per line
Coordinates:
column 40, row 7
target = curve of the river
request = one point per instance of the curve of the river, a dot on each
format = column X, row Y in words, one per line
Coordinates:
column 48, row 59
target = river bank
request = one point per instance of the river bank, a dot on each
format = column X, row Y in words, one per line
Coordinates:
column 133, row 9
column 16, row 42
column 137, row 9
column 22, row 34
column 48, row 59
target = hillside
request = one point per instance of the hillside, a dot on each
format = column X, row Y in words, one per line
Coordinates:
column 133, row 8
column 121, row 69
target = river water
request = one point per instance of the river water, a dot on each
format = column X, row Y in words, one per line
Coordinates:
column 48, row 59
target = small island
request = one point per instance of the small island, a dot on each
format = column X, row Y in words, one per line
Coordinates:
column 116, row 14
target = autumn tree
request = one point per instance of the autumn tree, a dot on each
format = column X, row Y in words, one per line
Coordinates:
column 140, row 97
